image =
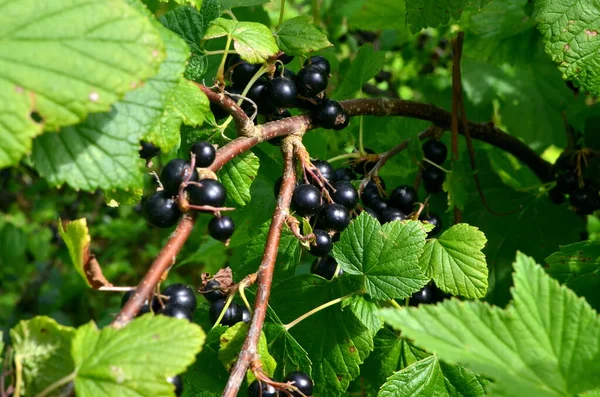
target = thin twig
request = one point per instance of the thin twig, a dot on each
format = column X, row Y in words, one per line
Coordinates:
column 242, row 121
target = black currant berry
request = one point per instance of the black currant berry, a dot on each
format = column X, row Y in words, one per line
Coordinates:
column 208, row 192
column 281, row 92
column 433, row 179
column 146, row 308
column 261, row 389
column 567, row 182
column 429, row 294
column 174, row 173
column 434, row 220
column 345, row 194
column 326, row 267
column 288, row 73
column 334, row 217
column 404, row 198
column 176, row 311
column 390, row 215
column 178, row 383
column 322, row 244
column 319, row 61
column 556, row 196
column 221, row 228
column 258, row 96
column 212, row 291
column 306, row 200
column 181, row 294
column 311, row 80
column 435, row 151
column 148, row 150
column 232, row 316
column 218, row 111
column 161, row 210
column 301, row 381
column 242, row 71
column 205, row 153
column 370, row 212
column 331, row 115
column 246, row 316
column 364, row 166
column 585, row 200
column 326, row 171
column 285, row 58
column 344, row 174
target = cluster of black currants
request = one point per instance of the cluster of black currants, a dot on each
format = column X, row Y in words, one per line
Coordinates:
column 300, row 380
column 162, row 209
column 585, row 199
column 281, row 89
column 235, row 313
column 429, row 294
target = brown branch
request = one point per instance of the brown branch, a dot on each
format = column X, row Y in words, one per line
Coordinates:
column 265, row 273
column 243, row 123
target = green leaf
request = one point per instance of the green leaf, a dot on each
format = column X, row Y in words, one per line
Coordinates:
column 365, row 310
column 455, row 261
column 288, row 352
column 546, row 343
column 237, row 177
column 102, row 152
column 134, row 360
column 578, row 266
column 124, row 39
column 571, row 37
column 376, row 15
column 431, row 13
column 191, row 103
column 229, row 4
column 195, row 3
column 253, row 41
column 385, row 257
column 188, row 23
column 207, row 374
column 458, row 183
column 298, row 36
column 365, row 66
column 77, row 238
column 43, row 349
column 114, row 198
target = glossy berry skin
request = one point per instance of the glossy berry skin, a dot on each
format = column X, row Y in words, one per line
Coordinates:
column 258, row 96
column 320, row 62
column 334, row 217
column 209, row 192
column 232, row 316
column 212, row 291
column 435, row 151
column 325, row 267
column 221, row 228
column 331, row 115
column 218, row 111
column 434, row 220
column 302, row 381
column 246, row 316
column 433, row 178
column 429, row 294
column 391, row 215
column 148, row 150
column 178, row 383
column 161, row 210
column 285, row 58
column 326, row 171
column 306, row 200
column 176, row 311
column 205, row 153
column 242, row 71
column 261, row 389
column 181, row 294
column 556, row 196
column 322, row 244
column 281, row 92
column 585, row 200
column 174, row 173
column 567, row 182
column 370, row 212
column 311, row 80
column 345, row 194
column 404, row 198
column 344, row 174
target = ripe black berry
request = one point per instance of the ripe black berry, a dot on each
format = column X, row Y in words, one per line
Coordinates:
column 302, row 381
column 325, row 169
column 218, row 111
column 322, row 244
column 433, row 178
column 161, row 210
column 585, row 200
column 344, row 174
column 390, row 215
column 233, row 314
column 435, row 221
column 261, row 389
column 146, row 308
column 404, row 198
column 319, row 61
column 364, row 166
column 285, row 58
column 178, row 383
column 148, row 150
column 334, row 217
column 429, row 294
column 205, row 153
column 258, row 96
column 174, row 173
column 567, row 182
column 345, row 194
column 556, row 196
column 176, row 311
column 242, row 71
column 331, row 115
column 246, row 316
column 281, row 92
column 325, row 267
column 311, row 80
column 221, row 228
column 181, row 294
column 208, row 192
column 306, row 200
column 370, row 212
column 435, row 151
column 212, row 291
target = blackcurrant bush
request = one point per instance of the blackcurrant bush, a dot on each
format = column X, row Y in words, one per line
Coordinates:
column 281, row 92
column 306, row 200
column 319, row 61
column 567, row 182
column 556, row 196
column 433, row 178
column 301, row 381
column 364, row 166
column 174, row 173
column 311, row 80
column 208, row 192
column 261, row 389
column 322, row 244
column 232, row 316
column 326, row 171
column 375, row 202
column 178, row 383
column 326, row 267
column 161, row 210
column 246, row 316
column 242, row 71
column 285, row 58
column 212, row 291
column 344, row 174
column 221, row 228
column 334, row 217
column 176, row 311
column 404, row 198
column 148, row 150
column 435, row 151
column 331, row 115
column 433, row 220
column 345, row 194
column 181, row 294
column 390, row 215
column 205, row 153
